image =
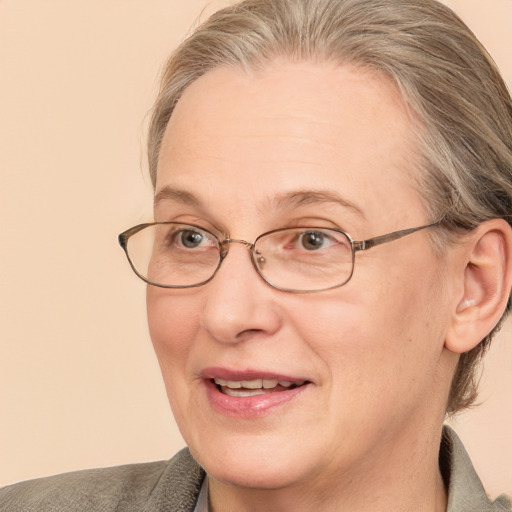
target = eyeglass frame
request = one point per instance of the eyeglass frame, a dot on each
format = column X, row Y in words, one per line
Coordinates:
column 356, row 246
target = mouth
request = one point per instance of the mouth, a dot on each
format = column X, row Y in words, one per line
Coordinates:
column 254, row 387
column 251, row 393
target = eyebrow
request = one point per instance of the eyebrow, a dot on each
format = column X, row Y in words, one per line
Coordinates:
column 288, row 200
column 299, row 198
column 177, row 195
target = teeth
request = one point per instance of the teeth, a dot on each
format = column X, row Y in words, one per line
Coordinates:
column 252, row 384
column 243, row 392
column 255, row 384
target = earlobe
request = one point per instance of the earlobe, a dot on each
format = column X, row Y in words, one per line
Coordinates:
column 487, row 282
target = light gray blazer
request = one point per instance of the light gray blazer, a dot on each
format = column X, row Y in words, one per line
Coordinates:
column 174, row 486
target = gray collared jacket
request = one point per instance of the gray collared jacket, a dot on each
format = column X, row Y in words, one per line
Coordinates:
column 174, row 486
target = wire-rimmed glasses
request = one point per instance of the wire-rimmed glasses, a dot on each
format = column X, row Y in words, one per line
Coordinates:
column 297, row 259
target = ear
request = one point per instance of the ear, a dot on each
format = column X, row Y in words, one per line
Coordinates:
column 486, row 264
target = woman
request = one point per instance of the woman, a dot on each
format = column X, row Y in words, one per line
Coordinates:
column 331, row 254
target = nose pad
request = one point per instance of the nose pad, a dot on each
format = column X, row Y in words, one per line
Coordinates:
column 260, row 261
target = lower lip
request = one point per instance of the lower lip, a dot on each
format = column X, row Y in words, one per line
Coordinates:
column 249, row 406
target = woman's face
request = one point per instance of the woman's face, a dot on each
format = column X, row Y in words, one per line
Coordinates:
column 299, row 145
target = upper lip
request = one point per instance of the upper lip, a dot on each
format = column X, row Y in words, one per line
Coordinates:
column 249, row 374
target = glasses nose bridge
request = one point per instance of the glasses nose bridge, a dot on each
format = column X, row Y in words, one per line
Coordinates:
column 225, row 245
column 256, row 259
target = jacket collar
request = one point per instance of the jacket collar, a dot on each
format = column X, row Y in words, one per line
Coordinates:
column 465, row 490
column 179, row 486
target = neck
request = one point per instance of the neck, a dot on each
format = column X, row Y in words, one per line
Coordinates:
column 404, row 478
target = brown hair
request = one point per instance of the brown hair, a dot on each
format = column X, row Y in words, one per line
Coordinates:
column 444, row 74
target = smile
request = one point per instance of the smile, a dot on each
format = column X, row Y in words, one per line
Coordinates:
column 255, row 387
column 251, row 393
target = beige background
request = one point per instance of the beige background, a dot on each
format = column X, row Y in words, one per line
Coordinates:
column 79, row 384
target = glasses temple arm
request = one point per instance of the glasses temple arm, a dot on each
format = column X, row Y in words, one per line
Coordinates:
column 363, row 245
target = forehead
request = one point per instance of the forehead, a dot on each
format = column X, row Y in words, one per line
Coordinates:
column 290, row 125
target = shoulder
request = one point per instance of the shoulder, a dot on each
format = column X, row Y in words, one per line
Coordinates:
column 465, row 490
column 502, row 504
column 94, row 489
column 134, row 487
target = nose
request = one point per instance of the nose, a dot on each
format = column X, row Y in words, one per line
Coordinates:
column 239, row 305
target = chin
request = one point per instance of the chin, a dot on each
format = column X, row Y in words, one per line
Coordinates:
column 253, row 463
column 249, row 477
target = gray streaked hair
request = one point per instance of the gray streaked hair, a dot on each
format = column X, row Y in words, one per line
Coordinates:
column 461, row 106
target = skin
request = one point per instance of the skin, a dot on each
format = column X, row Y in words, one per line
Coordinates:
column 365, row 433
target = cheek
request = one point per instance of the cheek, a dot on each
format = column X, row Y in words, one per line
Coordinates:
column 377, row 337
column 173, row 320
column 170, row 314
column 173, row 325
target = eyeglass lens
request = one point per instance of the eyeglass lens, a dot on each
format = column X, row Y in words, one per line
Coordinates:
column 302, row 259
